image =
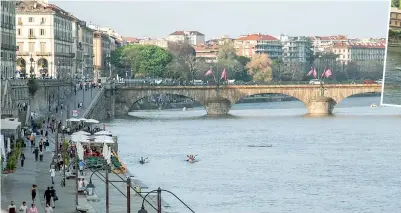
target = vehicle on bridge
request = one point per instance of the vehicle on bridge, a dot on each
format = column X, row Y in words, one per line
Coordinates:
column 368, row 81
column 316, row 81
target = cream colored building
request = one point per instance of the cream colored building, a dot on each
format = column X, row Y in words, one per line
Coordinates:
column 8, row 40
column 163, row 43
column 349, row 51
column 192, row 37
column 44, row 40
column 83, row 49
column 101, row 52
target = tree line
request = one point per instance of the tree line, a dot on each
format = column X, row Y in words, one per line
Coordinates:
column 178, row 62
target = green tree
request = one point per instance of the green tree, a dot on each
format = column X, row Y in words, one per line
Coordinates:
column 147, row 60
column 395, row 3
column 33, row 86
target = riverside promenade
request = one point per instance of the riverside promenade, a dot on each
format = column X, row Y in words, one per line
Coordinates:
column 16, row 186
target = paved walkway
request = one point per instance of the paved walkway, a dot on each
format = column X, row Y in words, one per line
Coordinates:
column 16, row 186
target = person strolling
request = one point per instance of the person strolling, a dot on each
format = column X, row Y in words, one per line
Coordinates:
column 33, row 209
column 48, row 196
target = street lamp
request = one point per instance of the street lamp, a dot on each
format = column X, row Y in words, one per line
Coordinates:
column 159, row 200
column 31, row 71
column 58, row 69
column 108, row 58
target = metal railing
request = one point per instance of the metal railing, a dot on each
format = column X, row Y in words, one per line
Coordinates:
column 93, row 103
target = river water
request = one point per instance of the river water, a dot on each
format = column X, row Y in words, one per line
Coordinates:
column 392, row 76
column 346, row 163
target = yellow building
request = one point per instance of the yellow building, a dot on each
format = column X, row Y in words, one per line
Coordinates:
column 395, row 18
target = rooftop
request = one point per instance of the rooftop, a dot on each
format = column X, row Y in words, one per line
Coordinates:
column 184, row 32
column 257, row 37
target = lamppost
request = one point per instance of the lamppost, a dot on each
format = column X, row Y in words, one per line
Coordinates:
column 91, row 188
column 58, row 69
column 31, row 71
column 108, row 58
column 159, row 200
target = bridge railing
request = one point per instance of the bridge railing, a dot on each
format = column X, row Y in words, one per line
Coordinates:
column 138, row 83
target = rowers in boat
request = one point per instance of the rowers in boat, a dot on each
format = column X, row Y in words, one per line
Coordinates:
column 191, row 159
column 143, row 160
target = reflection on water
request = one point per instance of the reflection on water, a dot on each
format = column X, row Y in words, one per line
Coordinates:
column 392, row 77
column 346, row 163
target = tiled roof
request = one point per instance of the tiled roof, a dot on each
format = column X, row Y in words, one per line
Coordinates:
column 183, row 32
column 360, row 45
column 131, row 39
column 257, row 37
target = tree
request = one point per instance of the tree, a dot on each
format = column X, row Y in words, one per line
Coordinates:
column 227, row 51
column 184, row 54
column 147, row 60
column 260, row 68
column 395, row 3
column 117, row 56
column 278, row 69
column 33, row 86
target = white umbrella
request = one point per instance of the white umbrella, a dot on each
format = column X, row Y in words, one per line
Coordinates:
column 82, row 119
column 103, row 139
column 91, row 121
column 80, row 151
column 108, row 155
column 74, row 120
column 103, row 133
column 81, row 133
column 80, row 138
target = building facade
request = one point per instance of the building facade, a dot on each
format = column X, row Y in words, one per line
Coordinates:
column 83, row 49
column 8, row 39
column 357, row 52
column 208, row 53
column 395, row 18
column 251, row 44
column 101, row 52
column 296, row 49
column 44, row 40
column 192, row 37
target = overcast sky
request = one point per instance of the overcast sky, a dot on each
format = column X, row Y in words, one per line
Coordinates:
column 216, row 18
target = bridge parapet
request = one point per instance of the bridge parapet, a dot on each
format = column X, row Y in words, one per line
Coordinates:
column 219, row 100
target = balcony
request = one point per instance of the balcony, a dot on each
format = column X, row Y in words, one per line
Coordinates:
column 31, row 37
column 43, row 53
column 21, row 53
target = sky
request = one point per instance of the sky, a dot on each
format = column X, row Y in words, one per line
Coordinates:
column 234, row 18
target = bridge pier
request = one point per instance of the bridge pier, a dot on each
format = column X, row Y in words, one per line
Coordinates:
column 321, row 106
column 217, row 107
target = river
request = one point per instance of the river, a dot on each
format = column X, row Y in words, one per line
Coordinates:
column 392, row 76
column 346, row 163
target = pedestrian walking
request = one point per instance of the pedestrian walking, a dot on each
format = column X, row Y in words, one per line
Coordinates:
column 41, row 155
column 54, row 195
column 47, row 144
column 24, row 207
column 48, row 196
column 81, row 167
column 22, row 159
column 36, row 152
column 33, row 193
column 12, row 208
column 52, row 174
column 48, row 209
column 33, row 209
column 41, row 144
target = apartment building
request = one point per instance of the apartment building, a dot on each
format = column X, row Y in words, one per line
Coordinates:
column 83, row 49
column 325, row 43
column 44, row 40
column 8, row 39
column 192, row 37
column 101, row 51
column 251, row 44
column 296, row 48
column 395, row 18
column 348, row 51
column 208, row 53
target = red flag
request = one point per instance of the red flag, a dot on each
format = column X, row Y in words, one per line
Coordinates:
column 224, row 75
column 328, row 73
column 310, row 72
column 314, row 73
column 208, row 73
column 323, row 74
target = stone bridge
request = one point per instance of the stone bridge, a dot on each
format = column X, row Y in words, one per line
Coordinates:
column 219, row 101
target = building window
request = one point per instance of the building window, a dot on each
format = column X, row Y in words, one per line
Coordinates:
column 18, row 31
column 43, row 20
column 19, row 20
column 31, row 46
column 42, row 47
column 31, row 19
column 20, row 46
column 42, row 31
column 31, row 32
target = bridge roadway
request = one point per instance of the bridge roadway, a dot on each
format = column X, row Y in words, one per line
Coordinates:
column 218, row 100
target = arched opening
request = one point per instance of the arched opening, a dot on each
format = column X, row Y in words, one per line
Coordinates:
column 21, row 68
column 277, row 102
column 165, row 105
column 369, row 99
column 43, row 67
column 164, row 101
